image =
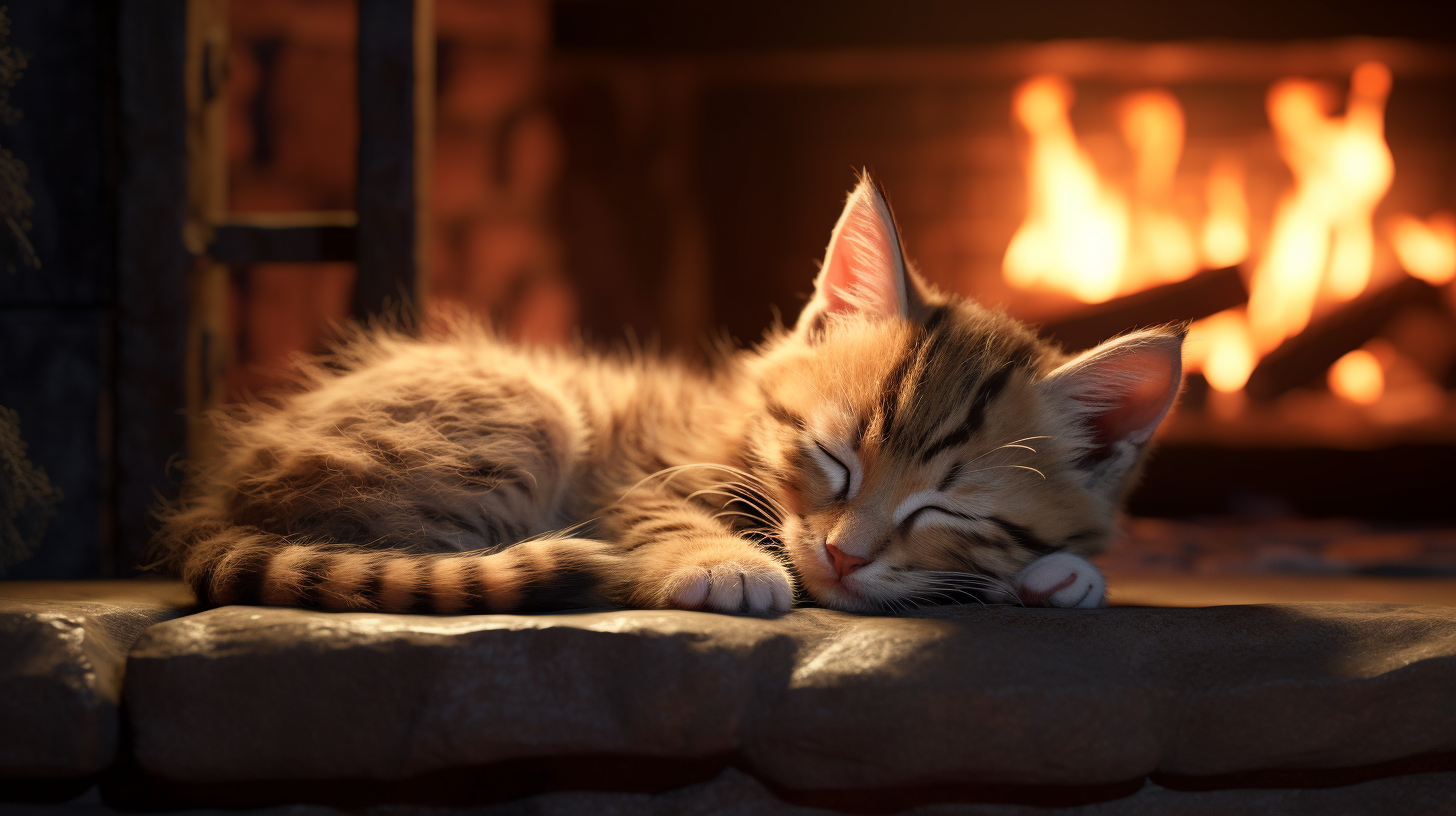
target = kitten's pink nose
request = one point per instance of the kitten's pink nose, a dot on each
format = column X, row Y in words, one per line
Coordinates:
column 844, row 563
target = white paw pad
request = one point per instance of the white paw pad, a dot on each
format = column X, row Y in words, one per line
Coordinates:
column 732, row 587
column 1062, row 580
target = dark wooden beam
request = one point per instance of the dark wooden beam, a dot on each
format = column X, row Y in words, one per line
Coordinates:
column 299, row 238
column 1200, row 296
column 152, row 263
column 394, row 64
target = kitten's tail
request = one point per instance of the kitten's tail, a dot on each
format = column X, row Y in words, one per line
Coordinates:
column 251, row 567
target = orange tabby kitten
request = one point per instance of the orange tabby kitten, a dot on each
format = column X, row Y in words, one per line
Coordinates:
column 897, row 446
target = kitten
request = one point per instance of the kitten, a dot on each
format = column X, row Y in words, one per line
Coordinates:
column 897, row 446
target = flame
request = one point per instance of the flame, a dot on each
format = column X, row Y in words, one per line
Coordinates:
column 1075, row 234
column 1426, row 249
column 1225, row 239
column 1358, row 377
column 1161, row 246
column 1083, row 237
column 1220, row 347
column 1323, row 234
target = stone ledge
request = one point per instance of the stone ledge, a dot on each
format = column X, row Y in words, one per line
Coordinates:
column 812, row 700
column 61, row 676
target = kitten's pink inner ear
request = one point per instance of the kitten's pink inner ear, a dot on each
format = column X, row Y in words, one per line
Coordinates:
column 863, row 268
column 1153, row 377
column 1129, row 385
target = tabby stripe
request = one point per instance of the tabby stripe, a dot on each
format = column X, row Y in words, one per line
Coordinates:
column 937, row 315
column 785, row 416
column 371, row 586
column 1023, row 537
column 990, row 388
column 570, row 586
column 890, row 392
column 950, row 476
column 244, row 584
column 664, row 528
column 313, row 574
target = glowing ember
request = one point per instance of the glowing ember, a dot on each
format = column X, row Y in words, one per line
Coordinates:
column 1358, row 377
column 1075, row 234
column 1426, row 249
column 1225, row 239
column 1323, row 236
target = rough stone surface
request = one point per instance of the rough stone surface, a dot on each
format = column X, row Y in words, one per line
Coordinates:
column 812, row 700
column 734, row 793
column 61, row 665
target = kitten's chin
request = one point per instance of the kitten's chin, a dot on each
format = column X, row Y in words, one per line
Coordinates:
column 837, row 595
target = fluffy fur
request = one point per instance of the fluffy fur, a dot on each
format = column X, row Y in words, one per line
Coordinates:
column 897, row 446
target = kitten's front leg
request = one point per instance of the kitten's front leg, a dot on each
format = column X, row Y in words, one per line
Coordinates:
column 1063, row 580
column 681, row 557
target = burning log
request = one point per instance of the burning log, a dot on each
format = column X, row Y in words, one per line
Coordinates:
column 1199, row 296
column 1304, row 359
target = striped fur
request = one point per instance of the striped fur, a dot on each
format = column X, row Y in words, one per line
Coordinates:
column 944, row 446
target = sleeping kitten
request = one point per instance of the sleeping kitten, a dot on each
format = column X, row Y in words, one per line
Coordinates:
column 897, row 446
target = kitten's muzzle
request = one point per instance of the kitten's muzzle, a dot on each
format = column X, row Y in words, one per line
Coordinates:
column 843, row 562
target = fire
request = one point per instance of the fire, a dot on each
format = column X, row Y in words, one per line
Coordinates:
column 1075, row 234
column 1323, row 234
column 1220, row 347
column 1162, row 248
column 1085, row 237
column 1081, row 235
column 1426, row 249
column 1225, row 239
column 1358, row 377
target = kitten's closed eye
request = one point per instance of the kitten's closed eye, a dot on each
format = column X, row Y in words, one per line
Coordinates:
column 836, row 471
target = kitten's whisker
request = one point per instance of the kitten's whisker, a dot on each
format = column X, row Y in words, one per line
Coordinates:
column 708, row 491
column 1000, row 467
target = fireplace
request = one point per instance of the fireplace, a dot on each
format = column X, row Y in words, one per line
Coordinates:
column 1286, row 185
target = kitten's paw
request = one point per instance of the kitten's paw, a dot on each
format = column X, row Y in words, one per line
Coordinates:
column 748, row 585
column 1062, row 580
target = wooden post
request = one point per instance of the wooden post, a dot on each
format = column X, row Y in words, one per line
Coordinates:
column 152, row 263
column 396, row 89
column 209, row 344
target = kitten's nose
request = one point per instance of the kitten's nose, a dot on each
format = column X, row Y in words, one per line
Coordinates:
column 844, row 563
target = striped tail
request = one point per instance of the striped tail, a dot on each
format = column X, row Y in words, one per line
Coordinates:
column 533, row 576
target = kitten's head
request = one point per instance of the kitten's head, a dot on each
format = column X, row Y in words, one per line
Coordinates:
column 924, row 447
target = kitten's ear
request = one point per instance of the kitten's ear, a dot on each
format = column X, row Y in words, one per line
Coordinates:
column 864, row 268
column 1120, row 391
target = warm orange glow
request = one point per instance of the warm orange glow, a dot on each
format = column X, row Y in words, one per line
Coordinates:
column 1220, row 347
column 1083, row 237
column 1426, row 249
column 1225, row 239
column 1075, row 234
column 1162, row 248
column 1358, row 377
column 1323, row 235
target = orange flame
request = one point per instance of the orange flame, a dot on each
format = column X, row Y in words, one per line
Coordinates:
column 1220, row 347
column 1358, row 377
column 1426, row 249
column 1075, row 234
column 1225, row 239
column 1323, row 235
column 1161, row 246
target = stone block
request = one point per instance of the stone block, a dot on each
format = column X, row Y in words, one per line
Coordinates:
column 811, row 700
column 61, row 666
